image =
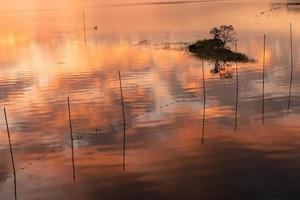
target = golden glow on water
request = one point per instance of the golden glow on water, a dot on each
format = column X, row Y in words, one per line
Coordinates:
column 44, row 59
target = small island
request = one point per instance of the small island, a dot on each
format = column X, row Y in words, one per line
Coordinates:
column 218, row 49
column 212, row 49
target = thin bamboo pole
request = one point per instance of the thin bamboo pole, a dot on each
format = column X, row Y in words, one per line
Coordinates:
column 263, row 86
column 124, row 122
column 292, row 69
column 84, row 26
column 204, row 103
column 72, row 140
column 237, row 90
column 11, row 154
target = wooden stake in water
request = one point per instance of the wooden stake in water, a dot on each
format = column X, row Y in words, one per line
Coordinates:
column 124, row 122
column 237, row 92
column 11, row 154
column 204, row 103
column 263, row 86
column 291, row 76
column 84, row 26
column 72, row 139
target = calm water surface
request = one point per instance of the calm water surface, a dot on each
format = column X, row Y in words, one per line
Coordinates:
column 44, row 59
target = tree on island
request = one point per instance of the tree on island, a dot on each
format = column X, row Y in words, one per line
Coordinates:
column 224, row 33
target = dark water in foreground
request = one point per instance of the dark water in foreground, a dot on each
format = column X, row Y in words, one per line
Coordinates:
column 41, row 64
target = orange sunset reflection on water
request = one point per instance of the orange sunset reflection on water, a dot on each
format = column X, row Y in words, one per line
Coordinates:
column 169, row 155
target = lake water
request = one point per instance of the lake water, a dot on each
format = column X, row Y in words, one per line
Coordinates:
column 45, row 58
